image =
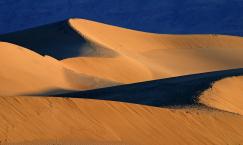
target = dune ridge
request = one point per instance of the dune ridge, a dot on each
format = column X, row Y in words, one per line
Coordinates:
column 24, row 72
column 180, row 91
column 113, row 85
column 226, row 94
column 159, row 55
column 116, row 54
column 102, row 56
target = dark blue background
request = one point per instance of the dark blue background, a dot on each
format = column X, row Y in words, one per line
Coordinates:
column 160, row 16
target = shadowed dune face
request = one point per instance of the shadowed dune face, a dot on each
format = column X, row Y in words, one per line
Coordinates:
column 104, row 121
column 226, row 94
column 120, row 55
column 57, row 40
column 114, row 55
column 25, row 72
column 128, row 56
column 178, row 91
column 97, row 57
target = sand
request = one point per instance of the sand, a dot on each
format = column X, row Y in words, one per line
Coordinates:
column 24, row 72
column 226, row 94
column 50, row 119
column 111, row 56
column 154, row 56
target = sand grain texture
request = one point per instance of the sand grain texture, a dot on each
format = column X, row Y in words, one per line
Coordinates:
column 104, row 55
column 148, row 56
column 226, row 94
column 24, row 72
column 38, row 118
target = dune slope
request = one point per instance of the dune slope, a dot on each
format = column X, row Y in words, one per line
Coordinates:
column 177, row 91
column 25, row 72
column 57, row 40
column 129, row 56
column 54, row 119
column 93, row 56
column 226, row 94
column 156, row 56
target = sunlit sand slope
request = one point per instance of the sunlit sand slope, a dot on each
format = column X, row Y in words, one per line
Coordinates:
column 39, row 118
column 68, row 142
column 25, row 72
column 177, row 91
column 147, row 56
column 226, row 94
column 129, row 56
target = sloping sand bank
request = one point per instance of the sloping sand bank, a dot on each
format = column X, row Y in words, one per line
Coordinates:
column 100, row 56
column 24, row 72
column 41, row 118
column 128, row 56
column 156, row 56
column 226, row 94
column 177, row 91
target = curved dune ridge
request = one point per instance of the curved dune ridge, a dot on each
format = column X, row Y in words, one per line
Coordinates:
column 102, row 55
column 54, row 119
column 79, row 59
column 178, row 91
column 24, row 72
column 226, row 94
column 128, row 56
column 154, row 56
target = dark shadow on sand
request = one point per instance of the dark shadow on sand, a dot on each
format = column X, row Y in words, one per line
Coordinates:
column 58, row 40
column 177, row 91
column 49, row 92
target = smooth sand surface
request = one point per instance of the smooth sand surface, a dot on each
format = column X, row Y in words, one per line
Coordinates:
column 67, row 142
column 25, row 72
column 147, row 56
column 226, row 94
column 38, row 118
column 126, row 56
column 111, row 56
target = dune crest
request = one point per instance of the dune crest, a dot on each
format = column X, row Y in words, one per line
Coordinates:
column 25, row 72
column 154, row 56
column 226, row 94
column 66, row 58
column 128, row 56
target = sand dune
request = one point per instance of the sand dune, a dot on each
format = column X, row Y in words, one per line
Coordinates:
column 98, row 55
column 120, row 69
column 156, row 56
column 177, row 91
column 84, row 59
column 25, row 72
column 52, row 119
column 226, row 94
column 129, row 56
column 57, row 40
